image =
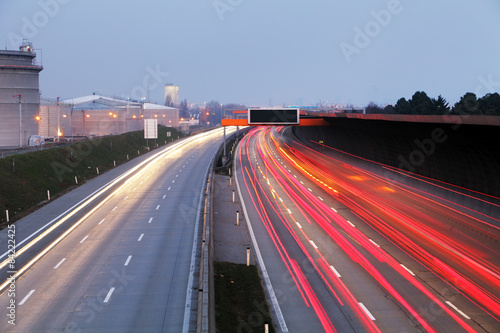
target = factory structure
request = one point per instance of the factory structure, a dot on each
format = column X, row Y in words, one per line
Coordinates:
column 19, row 96
column 24, row 115
column 97, row 115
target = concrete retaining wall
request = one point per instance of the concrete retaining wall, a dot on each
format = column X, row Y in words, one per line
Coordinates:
column 464, row 155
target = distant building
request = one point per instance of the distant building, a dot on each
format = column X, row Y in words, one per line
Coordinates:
column 19, row 82
column 96, row 115
column 54, row 119
column 171, row 95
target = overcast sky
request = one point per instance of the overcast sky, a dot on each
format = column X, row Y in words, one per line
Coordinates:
column 260, row 52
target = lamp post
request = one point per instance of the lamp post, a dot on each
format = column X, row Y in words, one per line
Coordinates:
column 58, row 123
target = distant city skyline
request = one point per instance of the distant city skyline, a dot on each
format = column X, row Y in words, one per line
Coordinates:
column 261, row 53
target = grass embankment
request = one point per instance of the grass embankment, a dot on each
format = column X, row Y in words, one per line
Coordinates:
column 240, row 302
column 25, row 179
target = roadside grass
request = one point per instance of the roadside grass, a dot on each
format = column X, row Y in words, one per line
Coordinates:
column 240, row 303
column 25, row 178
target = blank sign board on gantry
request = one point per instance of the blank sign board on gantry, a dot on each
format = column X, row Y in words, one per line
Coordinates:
column 273, row 116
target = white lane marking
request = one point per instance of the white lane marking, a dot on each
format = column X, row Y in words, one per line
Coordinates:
column 26, row 297
column 140, row 237
column 309, row 189
column 60, row 263
column 157, row 207
column 351, row 224
column 298, row 225
column 102, row 221
column 313, row 244
column 371, row 240
column 141, row 182
column 302, row 182
column 150, row 220
column 173, row 181
column 335, row 271
column 125, row 198
column 407, row 269
column 84, row 239
column 169, row 188
column 164, row 196
column 110, row 292
column 295, row 176
column 458, row 310
column 289, row 211
column 320, row 198
column 128, row 260
column 116, row 207
column 281, row 199
column 135, row 188
column 334, row 209
column 366, row 310
column 176, row 176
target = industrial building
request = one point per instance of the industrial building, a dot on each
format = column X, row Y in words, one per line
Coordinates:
column 19, row 96
column 97, row 115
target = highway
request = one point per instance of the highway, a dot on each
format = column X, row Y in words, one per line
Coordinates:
column 344, row 246
column 127, row 260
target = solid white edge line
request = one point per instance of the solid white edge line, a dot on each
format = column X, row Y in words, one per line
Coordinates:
column 192, row 266
column 260, row 261
column 89, row 198
column 60, row 263
column 110, row 292
column 458, row 310
column 127, row 261
column 366, row 311
column 26, row 297
column 77, row 207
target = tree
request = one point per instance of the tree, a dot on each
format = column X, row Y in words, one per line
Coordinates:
column 215, row 112
column 402, row 106
column 467, row 105
column 490, row 104
column 183, row 109
column 420, row 103
column 389, row 109
column 440, row 105
column 372, row 107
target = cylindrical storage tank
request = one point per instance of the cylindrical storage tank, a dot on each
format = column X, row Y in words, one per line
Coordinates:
column 18, row 76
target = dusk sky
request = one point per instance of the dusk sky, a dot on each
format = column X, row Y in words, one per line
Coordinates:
column 259, row 52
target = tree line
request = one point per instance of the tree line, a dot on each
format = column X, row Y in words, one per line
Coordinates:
column 421, row 104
